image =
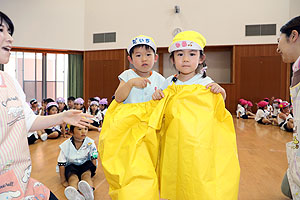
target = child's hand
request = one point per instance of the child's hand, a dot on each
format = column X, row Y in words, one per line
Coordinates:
column 216, row 89
column 158, row 94
column 140, row 82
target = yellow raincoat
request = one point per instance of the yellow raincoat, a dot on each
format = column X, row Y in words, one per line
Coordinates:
column 186, row 142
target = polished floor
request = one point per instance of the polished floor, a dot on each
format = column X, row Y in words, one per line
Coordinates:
column 261, row 151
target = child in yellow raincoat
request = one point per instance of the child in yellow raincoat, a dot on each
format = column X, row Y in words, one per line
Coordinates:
column 191, row 150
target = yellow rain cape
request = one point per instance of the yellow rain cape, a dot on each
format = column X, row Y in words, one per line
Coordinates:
column 183, row 145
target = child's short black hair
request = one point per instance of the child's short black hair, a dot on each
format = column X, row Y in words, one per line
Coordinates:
column 140, row 45
column 48, row 100
column 71, row 98
column 293, row 24
column 4, row 18
column 72, row 128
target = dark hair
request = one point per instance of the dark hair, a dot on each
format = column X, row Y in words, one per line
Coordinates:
column 293, row 24
column 199, row 65
column 140, row 45
column 48, row 100
column 71, row 98
column 93, row 99
column 72, row 128
column 5, row 18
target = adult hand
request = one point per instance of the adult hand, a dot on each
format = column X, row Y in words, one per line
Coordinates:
column 77, row 118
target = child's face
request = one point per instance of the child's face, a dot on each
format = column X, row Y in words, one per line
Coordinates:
column 186, row 61
column 77, row 106
column 143, row 59
column 5, row 43
column 94, row 107
column 80, row 133
column 101, row 106
column 53, row 110
column 61, row 106
column 70, row 104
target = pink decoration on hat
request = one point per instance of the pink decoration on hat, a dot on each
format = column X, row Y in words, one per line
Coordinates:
column 284, row 104
column 184, row 44
column 244, row 102
column 177, row 45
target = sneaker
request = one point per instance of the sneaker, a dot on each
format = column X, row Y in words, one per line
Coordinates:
column 86, row 190
column 72, row 194
column 44, row 136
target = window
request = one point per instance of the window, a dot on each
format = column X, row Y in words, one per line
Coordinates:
column 29, row 70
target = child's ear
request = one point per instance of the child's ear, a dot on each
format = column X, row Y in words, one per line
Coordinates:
column 155, row 58
column 294, row 35
column 202, row 58
column 130, row 59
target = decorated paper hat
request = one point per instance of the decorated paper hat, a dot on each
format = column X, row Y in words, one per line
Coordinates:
column 244, row 102
column 60, row 100
column 262, row 104
column 277, row 101
column 79, row 101
column 188, row 40
column 241, row 100
column 142, row 39
column 103, row 101
column 97, row 98
column 95, row 103
column 249, row 103
column 32, row 101
column 51, row 104
column 284, row 104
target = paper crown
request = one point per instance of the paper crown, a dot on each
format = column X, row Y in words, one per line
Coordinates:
column 284, row 104
column 188, row 40
column 141, row 39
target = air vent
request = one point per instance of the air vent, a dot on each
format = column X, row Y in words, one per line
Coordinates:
column 260, row 29
column 104, row 37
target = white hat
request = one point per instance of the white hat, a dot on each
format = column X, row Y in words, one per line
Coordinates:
column 142, row 39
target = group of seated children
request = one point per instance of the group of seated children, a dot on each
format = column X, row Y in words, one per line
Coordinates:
column 96, row 107
column 274, row 111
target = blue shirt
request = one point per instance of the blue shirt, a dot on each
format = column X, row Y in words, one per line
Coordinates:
column 138, row 95
column 197, row 79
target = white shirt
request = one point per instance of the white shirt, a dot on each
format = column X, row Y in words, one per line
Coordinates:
column 70, row 155
column 260, row 114
column 29, row 115
column 241, row 110
column 197, row 79
column 138, row 95
column 97, row 117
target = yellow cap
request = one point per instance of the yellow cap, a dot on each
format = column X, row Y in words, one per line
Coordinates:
column 188, row 40
column 142, row 39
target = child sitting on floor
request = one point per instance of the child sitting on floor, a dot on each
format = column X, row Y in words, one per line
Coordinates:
column 77, row 164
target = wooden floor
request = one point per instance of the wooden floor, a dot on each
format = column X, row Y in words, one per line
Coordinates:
column 261, row 153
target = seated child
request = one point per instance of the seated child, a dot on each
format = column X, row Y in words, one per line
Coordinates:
column 78, row 104
column 97, row 119
column 261, row 114
column 52, row 132
column 103, row 106
column 285, row 119
column 242, row 112
column 77, row 164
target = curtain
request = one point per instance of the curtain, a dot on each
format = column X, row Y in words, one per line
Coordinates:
column 75, row 77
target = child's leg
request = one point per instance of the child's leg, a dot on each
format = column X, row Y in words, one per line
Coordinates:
column 53, row 135
column 73, row 181
column 87, row 176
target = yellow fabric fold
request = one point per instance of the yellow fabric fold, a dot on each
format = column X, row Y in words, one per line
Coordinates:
column 186, row 142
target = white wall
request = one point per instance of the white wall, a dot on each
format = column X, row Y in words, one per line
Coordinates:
column 294, row 8
column 54, row 24
column 221, row 22
column 70, row 24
